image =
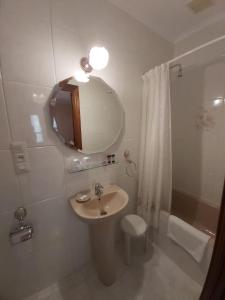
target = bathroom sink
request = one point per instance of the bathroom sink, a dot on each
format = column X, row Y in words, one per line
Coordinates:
column 113, row 200
column 100, row 215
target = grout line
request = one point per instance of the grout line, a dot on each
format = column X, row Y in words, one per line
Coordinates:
column 54, row 59
column 55, row 77
column 35, row 203
column 39, row 202
column 52, row 40
column 27, row 83
column 39, row 146
column 17, row 179
column 6, row 107
column 31, row 147
column 7, row 111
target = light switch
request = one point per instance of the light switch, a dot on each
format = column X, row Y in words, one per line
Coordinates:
column 20, row 157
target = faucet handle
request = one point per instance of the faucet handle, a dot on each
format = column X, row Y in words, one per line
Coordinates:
column 98, row 186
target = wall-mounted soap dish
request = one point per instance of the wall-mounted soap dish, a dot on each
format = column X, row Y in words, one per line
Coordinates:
column 83, row 196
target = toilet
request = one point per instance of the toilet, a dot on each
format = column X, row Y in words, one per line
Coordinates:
column 133, row 226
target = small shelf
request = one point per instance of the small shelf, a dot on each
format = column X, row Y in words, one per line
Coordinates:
column 94, row 166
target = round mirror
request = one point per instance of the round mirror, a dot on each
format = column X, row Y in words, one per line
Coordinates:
column 86, row 116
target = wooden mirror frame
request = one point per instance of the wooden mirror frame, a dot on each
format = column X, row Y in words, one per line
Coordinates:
column 75, row 101
column 214, row 286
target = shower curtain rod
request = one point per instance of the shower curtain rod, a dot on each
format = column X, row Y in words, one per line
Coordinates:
column 194, row 50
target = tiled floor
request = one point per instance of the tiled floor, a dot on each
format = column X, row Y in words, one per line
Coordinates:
column 152, row 276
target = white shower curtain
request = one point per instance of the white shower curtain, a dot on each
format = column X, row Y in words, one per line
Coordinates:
column 155, row 161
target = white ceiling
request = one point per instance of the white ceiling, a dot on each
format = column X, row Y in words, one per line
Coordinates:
column 172, row 19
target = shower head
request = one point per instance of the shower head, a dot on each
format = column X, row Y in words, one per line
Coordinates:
column 180, row 70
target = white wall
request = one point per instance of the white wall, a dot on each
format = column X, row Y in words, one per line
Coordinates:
column 198, row 149
column 202, row 36
column 213, row 140
column 41, row 43
column 186, row 100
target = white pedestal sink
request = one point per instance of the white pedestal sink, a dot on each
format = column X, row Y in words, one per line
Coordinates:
column 113, row 201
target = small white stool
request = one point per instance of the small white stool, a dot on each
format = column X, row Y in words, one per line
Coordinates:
column 133, row 226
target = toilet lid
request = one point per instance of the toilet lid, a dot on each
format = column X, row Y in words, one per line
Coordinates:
column 133, row 225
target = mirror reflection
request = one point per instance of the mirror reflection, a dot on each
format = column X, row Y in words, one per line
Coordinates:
column 86, row 116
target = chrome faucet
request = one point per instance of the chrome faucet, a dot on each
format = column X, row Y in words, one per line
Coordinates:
column 98, row 190
column 98, row 193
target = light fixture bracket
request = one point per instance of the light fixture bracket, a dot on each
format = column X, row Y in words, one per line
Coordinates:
column 85, row 65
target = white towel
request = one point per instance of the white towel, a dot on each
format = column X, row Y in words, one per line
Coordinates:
column 191, row 239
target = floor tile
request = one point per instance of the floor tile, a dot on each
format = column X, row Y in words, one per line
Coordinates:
column 150, row 276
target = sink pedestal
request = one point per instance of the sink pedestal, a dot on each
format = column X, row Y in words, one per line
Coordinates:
column 102, row 243
column 101, row 227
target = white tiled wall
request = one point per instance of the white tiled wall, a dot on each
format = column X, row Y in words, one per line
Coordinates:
column 27, row 103
column 26, row 43
column 4, row 126
column 41, row 43
column 199, row 171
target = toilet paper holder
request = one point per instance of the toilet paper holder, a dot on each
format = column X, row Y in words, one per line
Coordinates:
column 23, row 232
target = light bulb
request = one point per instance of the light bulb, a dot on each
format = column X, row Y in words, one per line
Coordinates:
column 81, row 76
column 98, row 58
column 218, row 101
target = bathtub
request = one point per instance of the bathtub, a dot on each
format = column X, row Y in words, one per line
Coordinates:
column 197, row 271
column 198, row 214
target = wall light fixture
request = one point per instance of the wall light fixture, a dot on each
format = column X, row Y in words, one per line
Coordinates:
column 97, row 59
